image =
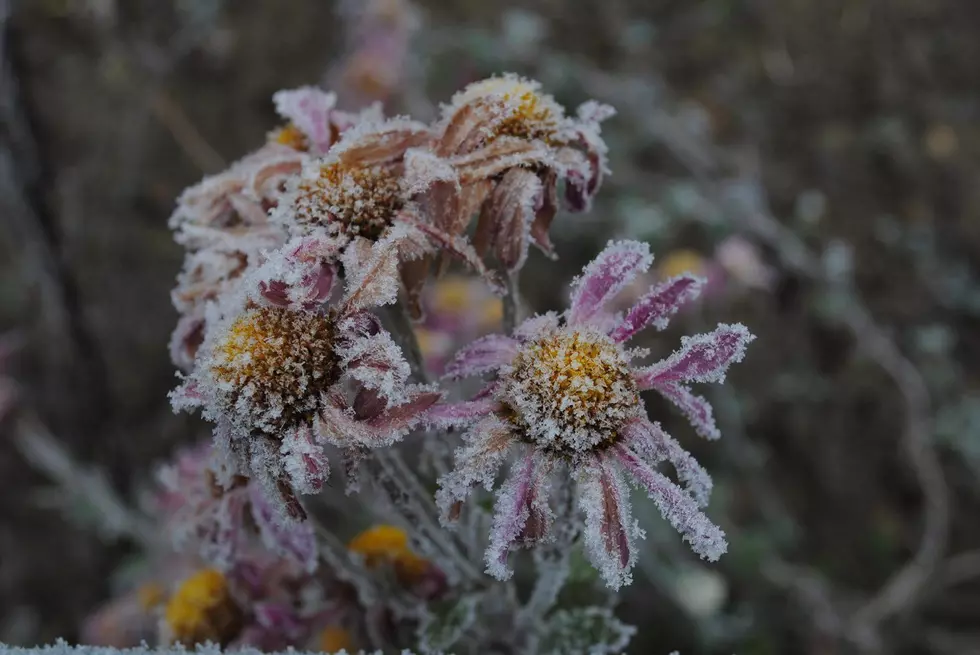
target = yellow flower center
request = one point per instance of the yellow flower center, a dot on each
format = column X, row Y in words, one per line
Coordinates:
column 202, row 609
column 570, row 392
column 292, row 136
column 360, row 201
column 531, row 115
column 273, row 365
column 387, row 544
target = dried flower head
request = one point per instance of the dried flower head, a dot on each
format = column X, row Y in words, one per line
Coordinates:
column 202, row 609
column 281, row 376
column 565, row 395
column 505, row 146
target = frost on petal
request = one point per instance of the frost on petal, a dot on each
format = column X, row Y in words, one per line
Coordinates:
column 484, row 355
column 300, row 273
column 658, row 306
column 309, row 110
column 650, row 442
column 696, row 408
column 605, row 276
column 461, row 413
column 284, row 536
column 676, row 506
column 377, row 362
column 423, row 169
column 521, row 497
column 701, row 358
column 508, row 214
column 396, row 420
column 372, row 272
column 536, row 327
column 304, row 461
column 610, row 530
column 477, row 462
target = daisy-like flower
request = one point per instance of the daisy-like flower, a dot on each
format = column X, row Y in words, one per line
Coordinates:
column 360, row 192
column 280, row 379
column 222, row 221
column 565, row 396
column 509, row 145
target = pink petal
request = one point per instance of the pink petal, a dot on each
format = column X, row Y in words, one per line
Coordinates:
column 484, row 355
column 605, row 276
column 309, row 109
column 304, row 461
column 649, row 441
column 657, row 306
column 696, row 408
column 701, row 358
column 676, row 506
column 461, row 413
column 487, row 445
column 610, row 530
column 511, row 513
column 406, row 415
column 287, row 537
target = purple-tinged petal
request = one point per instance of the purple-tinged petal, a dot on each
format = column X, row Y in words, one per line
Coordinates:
column 461, row 413
column 377, row 362
column 701, row 358
column 610, row 530
column 605, row 276
column 477, row 462
column 281, row 535
column 521, row 495
column 304, row 461
column 657, row 306
column 484, row 355
column 309, row 109
column 696, row 408
column 676, row 506
column 409, row 414
column 649, row 441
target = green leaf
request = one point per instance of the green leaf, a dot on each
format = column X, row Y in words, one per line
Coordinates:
column 584, row 631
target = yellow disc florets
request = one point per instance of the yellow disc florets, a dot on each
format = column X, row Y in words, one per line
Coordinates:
column 358, row 200
column 529, row 113
column 272, row 366
column 570, row 392
column 202, row 609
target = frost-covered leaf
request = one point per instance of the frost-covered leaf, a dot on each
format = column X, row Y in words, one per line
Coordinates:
column 657, row 306
column 446, row 622
column 584, row 631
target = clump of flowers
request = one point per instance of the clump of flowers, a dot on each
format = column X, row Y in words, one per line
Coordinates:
column 306, row 262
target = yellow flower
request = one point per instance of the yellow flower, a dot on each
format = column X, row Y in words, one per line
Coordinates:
column 681, row 261
column 290, row 135
column 333, row 639
column 202, row 609
column 386, row 544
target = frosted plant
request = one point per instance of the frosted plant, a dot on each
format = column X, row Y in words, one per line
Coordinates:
column 280, row 379
column 565, row 396
column 222, row 221
column 359, row 194
column 509, row 145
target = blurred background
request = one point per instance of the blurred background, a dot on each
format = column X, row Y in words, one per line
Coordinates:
column 815, row 159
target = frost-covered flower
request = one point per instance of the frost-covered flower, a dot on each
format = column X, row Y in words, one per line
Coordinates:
column 387, row 546
column 281, row 378
column 222, row 221
column 508, row 145
column 202, row 609
column 220, row 523
column 565, row 395
column 360, row 193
